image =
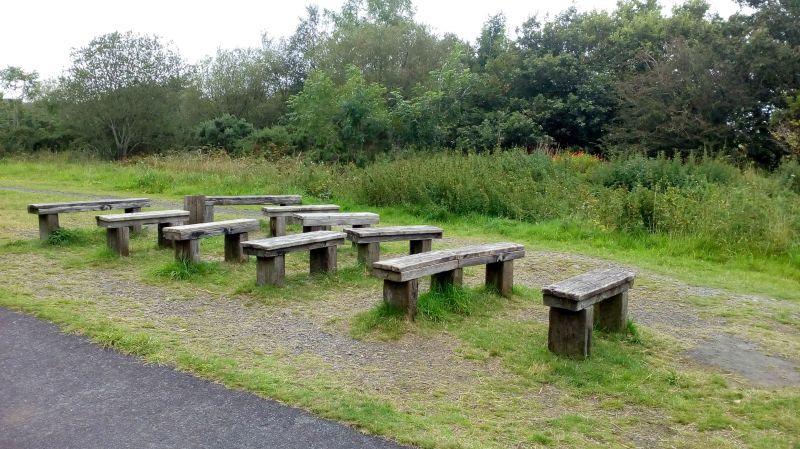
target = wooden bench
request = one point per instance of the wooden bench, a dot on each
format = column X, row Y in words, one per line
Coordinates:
column 400, row 275
column 117, row 226
column 48, row 212
column 270, row 260
column 322, row 221
column 186, row 238
column 280, row 216
column 201, row 207
column 368, row 240
column 599, row 297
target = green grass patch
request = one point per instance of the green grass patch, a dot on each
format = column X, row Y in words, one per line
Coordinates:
column 69, row 237
column 181, row 270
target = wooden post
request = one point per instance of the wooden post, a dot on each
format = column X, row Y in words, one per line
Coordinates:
column 277, row 226
column 47, row 224
column 233, row 247
column 209, row 216
column 570, row 333
column 196, row 205
column 420, row 246
column 447, row 279
column 162, row 242
column 271, row 271
column 316, row 228
column 323, row 260
column 368, row 253
column 117, row 240
column 402, row 295
column 611, row 314
column 500, row 276
column 135, row 228
column 187, row 250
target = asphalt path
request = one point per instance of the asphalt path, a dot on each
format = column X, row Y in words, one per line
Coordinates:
column 62, row 391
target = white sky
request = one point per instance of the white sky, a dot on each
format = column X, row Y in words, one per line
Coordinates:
column 39, row 34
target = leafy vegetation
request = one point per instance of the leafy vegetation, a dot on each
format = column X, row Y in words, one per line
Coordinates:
column 368, row 80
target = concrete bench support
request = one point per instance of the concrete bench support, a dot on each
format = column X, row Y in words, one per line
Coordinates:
column 400, row 275
column 187, row 247
column 599, row 297
column 271, row 252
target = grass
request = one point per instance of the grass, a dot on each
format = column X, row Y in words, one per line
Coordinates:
column 472, row 372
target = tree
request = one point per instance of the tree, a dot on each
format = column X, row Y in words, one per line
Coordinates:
column 122, row 92
column 18, row 87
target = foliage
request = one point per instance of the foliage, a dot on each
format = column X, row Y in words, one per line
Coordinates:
column 121, row 92
column 223, row 132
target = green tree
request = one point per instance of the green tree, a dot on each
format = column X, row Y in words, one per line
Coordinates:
column 122, row 93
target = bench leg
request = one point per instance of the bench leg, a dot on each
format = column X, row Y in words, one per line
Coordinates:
column 162, row 242
column 402, row 295
column 420, row 246
column 47, row 224
column 447, row 279
column 135, row 228
column 277, row 226
column 187, row 250
column 570, row 333
column 209, row 213
column 117, row 240
column 196, row 205
column 316, row 228
column 368, row 253
column 323, row 260
column 233, row 247
column 271, row 271
column 611, row 314
column 500, row 276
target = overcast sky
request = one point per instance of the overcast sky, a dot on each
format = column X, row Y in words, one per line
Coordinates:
column 39, row 34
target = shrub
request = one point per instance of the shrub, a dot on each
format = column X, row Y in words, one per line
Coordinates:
column 223, row 132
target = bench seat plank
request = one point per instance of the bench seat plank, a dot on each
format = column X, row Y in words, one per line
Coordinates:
column 82, row 206
column 393, row 233
column 195, row 231
column 289, row 211
column 276, row 246
column 338, row 218
column 142, row 218
column 466, row 256
column 248, row 200
column 582, row 291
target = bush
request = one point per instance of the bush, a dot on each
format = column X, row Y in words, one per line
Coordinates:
column 224, row 132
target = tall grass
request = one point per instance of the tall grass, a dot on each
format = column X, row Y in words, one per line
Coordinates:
column 712, row 207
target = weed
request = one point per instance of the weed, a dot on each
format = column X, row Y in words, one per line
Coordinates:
column 181, row 270
column 68, row 237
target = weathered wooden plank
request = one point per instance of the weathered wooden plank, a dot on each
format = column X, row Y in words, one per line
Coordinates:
column 468, row 255
column 47, row 224
column 570, row 304
column 500, row 276
column 393, row 234
column 586, row 285
column 337, row 219
column 297, row 248
column 323, row 260
column 142, row 218
column 570, row 333
column 200, row 230
column 196, row 205
column 249, row 200
column 420, row 246
column 288, row 211
column 288, row 241
column 81, row 206
column 436, row 266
